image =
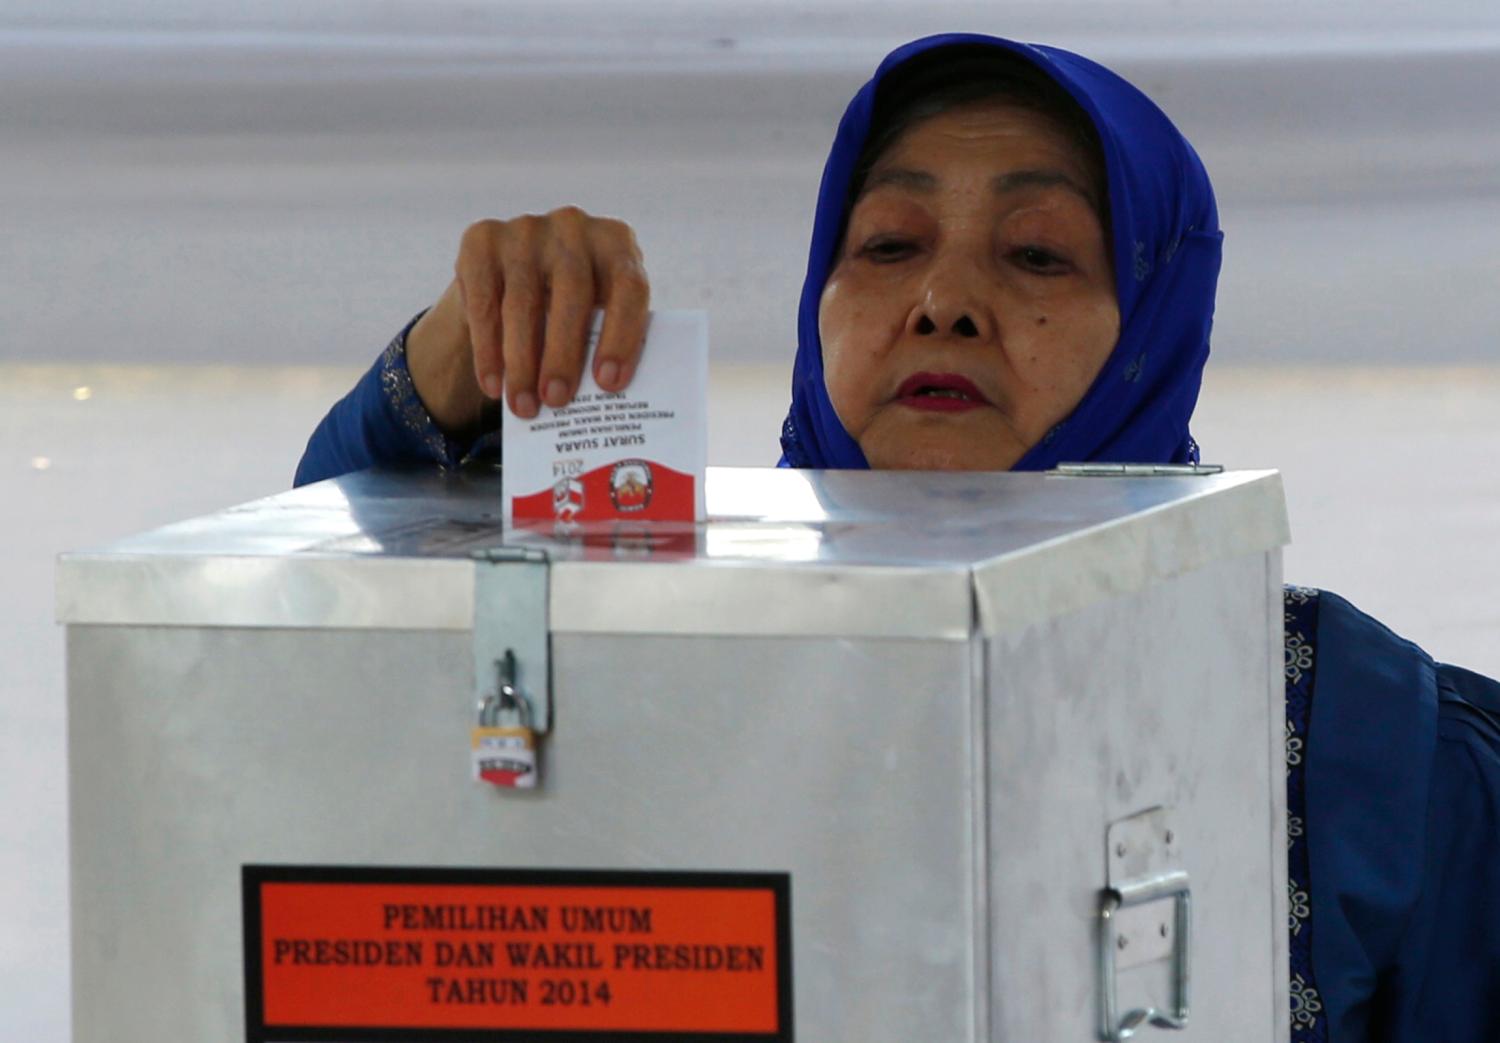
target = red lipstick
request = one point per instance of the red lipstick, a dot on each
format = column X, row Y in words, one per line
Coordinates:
column 940, row 392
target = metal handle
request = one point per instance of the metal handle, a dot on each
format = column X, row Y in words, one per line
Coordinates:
column 1175, row 885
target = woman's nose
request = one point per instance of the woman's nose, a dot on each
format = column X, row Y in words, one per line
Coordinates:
column 963, row 326
column 948, row 311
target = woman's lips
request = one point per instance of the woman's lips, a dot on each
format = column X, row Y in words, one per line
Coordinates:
column 940, row 392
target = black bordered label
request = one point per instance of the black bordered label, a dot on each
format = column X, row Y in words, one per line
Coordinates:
column 361, row 954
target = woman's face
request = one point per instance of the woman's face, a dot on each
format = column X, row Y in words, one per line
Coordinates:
column 973, row 301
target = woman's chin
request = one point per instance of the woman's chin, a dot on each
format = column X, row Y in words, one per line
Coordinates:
column 940, row 448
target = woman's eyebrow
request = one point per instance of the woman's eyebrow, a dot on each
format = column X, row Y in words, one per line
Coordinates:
column 900, row 177
column 1018, row 179
column 926, row 183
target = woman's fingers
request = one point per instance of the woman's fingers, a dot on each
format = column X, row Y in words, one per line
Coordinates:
column 521, row 312
column 627, row 300
column 529, row 287
column 625, row 293
column 568, row 273
column 481, row 282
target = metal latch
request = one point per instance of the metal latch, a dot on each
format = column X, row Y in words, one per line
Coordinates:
column 512, row 644
column 1144, row 915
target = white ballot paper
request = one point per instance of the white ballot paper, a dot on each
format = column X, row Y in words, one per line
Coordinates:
column 634, row 455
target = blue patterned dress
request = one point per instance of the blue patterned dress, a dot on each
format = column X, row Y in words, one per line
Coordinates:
column 1393, row 830
column 1308, row 1023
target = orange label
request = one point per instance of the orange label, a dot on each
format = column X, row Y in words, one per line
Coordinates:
column 360, row 954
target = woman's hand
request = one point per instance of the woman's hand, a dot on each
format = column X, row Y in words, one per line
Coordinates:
column 515, row 319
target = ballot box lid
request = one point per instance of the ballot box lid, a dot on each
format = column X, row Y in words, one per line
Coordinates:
column 783, row 553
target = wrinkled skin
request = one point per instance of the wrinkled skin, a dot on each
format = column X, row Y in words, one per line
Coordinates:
column 946, row 271
column 514, row 322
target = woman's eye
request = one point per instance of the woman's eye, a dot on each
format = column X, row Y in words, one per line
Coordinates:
column 887, row 249
column 1041, row 261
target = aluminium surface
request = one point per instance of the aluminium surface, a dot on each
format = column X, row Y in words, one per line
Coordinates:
column 290, row 683
column 833, row 550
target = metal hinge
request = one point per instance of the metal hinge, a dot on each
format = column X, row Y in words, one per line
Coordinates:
column 1102, row 470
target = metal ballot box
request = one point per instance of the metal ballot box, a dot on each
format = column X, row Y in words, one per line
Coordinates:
column 866, row 757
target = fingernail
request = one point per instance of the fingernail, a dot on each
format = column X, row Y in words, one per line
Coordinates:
column 557, row 392
column 526, row 404
column 609, row 372
column 493, row 386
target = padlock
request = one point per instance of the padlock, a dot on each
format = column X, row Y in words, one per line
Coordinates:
column 502, row 745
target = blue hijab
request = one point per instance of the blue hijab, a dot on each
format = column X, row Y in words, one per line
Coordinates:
column 1166, row 257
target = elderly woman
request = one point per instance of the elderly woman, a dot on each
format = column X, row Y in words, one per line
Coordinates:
column 1013, row 263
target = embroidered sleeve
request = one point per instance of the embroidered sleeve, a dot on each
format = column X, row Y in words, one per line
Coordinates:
column 406, row 405
column 382, row 421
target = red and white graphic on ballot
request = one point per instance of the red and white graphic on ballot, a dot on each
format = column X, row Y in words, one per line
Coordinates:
column 635, row 455
column 637, row 489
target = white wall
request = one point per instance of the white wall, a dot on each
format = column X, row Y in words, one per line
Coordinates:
column 655, row 19
column 278, row 181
